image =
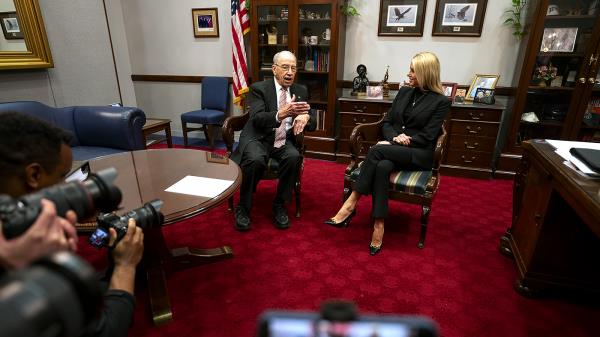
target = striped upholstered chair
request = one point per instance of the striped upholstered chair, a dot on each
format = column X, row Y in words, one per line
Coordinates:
column 416, row 187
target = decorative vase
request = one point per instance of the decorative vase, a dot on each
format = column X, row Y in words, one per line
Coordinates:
column 548, row 83
column 541, row 83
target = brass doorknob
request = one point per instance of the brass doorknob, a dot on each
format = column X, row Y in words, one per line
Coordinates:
column 581, row 80
column 592, row 80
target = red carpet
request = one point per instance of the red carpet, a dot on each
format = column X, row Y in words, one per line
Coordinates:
column 459, row 279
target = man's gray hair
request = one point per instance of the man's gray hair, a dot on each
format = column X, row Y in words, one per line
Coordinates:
column 281, row 54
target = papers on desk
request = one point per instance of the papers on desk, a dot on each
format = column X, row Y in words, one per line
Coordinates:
column 563, row 149
column 200, row 186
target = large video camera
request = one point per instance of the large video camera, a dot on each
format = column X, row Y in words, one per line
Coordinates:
column 147, row 216
column 97, row 193
column 341, row 319
column 56, row 296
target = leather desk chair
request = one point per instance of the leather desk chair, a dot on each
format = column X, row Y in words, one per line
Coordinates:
column 415, row 187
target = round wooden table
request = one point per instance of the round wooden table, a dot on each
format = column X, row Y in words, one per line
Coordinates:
column 144, row 176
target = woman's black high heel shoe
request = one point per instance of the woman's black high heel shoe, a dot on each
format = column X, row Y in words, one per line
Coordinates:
column 374, row 250
column 343, row 223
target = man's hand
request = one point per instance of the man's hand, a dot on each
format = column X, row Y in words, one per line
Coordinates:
column 293, row 108
column 300, row 122
column 402, row 139
column 48, row 234
column 127, row 253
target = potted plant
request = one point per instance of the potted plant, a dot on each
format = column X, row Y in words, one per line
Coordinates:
column 514, row 18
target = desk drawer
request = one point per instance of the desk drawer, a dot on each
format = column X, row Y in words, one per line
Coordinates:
column 462, row 142
column 480, row 129
column 485, row 115
column 348, row 118
column 469, row 158
column 363, row 107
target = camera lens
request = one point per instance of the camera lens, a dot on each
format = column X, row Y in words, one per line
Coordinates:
column 149, row 215
column 57, row 296
column 85, row 198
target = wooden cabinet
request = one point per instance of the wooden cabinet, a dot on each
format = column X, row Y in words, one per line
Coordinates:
column 473, row 139
column 354, row 111
column 314, row 30
column 558, row 89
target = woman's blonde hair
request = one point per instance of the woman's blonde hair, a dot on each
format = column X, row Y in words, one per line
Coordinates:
column 427, row 70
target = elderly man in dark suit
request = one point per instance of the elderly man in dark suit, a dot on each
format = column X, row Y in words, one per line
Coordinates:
column 278, row 112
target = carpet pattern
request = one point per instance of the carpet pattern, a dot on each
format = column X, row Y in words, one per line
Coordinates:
column 459, row 279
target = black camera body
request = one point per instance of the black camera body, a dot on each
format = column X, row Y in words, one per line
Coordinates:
column 97, row 193
column 56, row 296
column 147, row 216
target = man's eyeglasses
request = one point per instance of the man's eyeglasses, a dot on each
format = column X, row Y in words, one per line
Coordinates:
column 287, row 67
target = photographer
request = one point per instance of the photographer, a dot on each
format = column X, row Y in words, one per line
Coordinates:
column 34, row 155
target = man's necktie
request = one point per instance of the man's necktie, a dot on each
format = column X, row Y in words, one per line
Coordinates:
column 280, row 131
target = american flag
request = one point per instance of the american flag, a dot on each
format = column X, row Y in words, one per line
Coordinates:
column 240, row 25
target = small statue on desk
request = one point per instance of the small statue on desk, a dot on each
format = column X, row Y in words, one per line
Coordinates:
column 359, row 85
column 385, row 85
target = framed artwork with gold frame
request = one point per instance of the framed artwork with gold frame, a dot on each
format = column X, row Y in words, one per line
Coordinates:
column 481, row 81
column 206, row 22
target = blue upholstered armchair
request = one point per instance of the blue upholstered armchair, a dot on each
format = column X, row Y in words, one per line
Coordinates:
column 215, row 91
column 97, row 130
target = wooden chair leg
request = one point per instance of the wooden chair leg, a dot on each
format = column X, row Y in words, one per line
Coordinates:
column 230, row 204
column 424, row 219
column 297, row 190
column 346, row 193
column 185, row 134
column 207, row 130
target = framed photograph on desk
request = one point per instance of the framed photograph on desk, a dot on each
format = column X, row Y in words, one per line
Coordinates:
column 401, row 17
column 481, row 81
column 449, row 89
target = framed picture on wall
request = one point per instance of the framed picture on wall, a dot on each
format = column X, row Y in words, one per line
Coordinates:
column 206, row 22
column 401, row 17
column 10, row 26
column 481, row 81
column 459, row 17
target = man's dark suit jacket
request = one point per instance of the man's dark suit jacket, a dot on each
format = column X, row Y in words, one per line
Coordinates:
column 423, row 123
column 262, row 101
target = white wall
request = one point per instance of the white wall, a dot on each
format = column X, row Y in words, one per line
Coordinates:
column 83, row 73
column 161, row 42
column 495, row 52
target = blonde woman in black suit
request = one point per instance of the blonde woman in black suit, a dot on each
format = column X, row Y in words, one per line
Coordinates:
column 410, row 130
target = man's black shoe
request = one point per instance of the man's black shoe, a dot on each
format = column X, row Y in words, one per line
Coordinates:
column 280, row 217
column 242, row 220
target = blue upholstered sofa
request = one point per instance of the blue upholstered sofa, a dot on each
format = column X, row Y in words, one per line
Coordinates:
column 97, row 130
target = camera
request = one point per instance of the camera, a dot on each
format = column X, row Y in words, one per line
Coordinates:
column 340, row 319
column 147, row 216
column 56, row 296
column 97, row 193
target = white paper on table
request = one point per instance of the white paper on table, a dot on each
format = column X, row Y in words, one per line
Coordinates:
column 563, row 148
column 200, row 186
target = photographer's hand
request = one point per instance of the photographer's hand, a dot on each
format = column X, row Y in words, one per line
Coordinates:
column 48, row 234
column 127, row 253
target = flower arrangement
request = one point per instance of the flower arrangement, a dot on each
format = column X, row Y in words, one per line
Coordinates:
column 545, row 73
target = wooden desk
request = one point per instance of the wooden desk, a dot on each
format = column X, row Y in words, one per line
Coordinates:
column 154, row 125
column 555, row 233
column 144, row 176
